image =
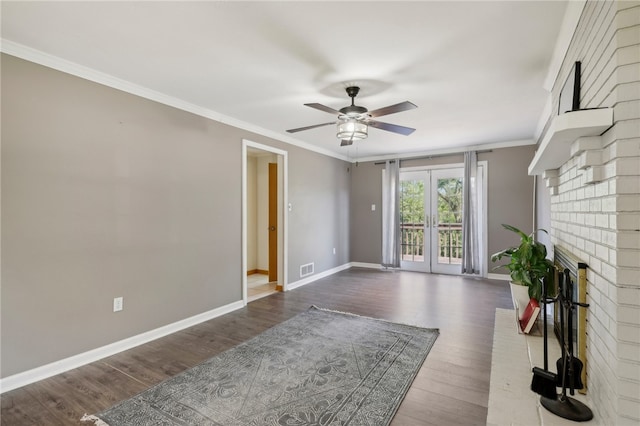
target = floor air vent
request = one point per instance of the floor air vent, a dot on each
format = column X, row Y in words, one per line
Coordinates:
column 306, row 270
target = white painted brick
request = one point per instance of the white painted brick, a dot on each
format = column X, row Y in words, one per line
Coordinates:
column 628, row 276
column 627, row 221
column 625, row 185
column 628, row 36
column 602, row 220
column 595, row 263
column 630, row 334
column 628, row 203
column 628, row 413
column 552, row 181
column 628, row 240
column 628, row 129
column 628, row 369
column 626, row 166
column 629, row 296
column 613, row 257
column 608, row 305
column 585, row 143
column 627, row 14
column 602, row 252
column 629, row 389
column 595, row 205
column 627, row 74
column 625, row 147
column 631, row 316
column 608, row 204
column 602, row 188
column 589, row 158
column 609, row 238
column 627, row 110
column 572, row 197
column 627, row 258
column 609, row 170
column 628, row 351
column 550, row 173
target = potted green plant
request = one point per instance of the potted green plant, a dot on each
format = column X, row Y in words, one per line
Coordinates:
column 528, row 265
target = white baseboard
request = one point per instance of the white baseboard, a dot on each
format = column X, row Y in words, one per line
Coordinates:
column 315, row 277
column 39, row 373
column 503, row 277
column 366, row 265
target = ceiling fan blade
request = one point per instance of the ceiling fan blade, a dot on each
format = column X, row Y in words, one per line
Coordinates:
column 299, row 129
column 391, row 127
column 346, row 142
column 392, row 109
column 323, row 108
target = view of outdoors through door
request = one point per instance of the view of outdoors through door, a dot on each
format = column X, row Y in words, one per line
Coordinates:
column 431, row 220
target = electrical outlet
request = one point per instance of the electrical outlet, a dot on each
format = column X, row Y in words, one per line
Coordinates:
column 118, row 304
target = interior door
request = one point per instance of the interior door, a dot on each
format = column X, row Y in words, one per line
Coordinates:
column 431, row 220
column 273, row 222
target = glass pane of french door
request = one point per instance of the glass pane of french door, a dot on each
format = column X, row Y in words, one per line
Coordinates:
column 446, row 213
column 414, row 205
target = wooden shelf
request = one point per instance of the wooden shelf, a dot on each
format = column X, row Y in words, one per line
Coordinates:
column 555, row 148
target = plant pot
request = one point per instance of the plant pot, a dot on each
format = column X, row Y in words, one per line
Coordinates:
column 520, row 297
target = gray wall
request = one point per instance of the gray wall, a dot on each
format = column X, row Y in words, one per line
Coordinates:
column 106, row 194
column 510, row 200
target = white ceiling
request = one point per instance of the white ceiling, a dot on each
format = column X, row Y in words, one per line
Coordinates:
column 474, row 69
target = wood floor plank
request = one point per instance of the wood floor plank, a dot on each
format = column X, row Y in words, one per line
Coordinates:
column 451, row 388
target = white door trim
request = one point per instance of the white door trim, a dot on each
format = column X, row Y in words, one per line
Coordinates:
column 283, row 242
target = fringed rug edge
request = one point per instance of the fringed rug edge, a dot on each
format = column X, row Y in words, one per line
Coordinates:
column 96, row 420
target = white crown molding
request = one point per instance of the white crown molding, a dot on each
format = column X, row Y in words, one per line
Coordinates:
column 40, row 373
column 447, row 151
column 33, row 55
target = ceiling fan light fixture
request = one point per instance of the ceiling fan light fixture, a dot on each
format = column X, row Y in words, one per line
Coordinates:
column 352, row 129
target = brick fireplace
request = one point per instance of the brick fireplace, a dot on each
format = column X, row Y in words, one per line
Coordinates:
column 589, row 198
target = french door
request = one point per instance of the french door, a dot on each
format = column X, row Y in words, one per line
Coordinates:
column 431, row 220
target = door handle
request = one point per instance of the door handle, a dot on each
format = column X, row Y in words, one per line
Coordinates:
column 427, row 222
column 435, row 221
column 272, row 228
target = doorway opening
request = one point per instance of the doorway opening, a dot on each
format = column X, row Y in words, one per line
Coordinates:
column 264, row 223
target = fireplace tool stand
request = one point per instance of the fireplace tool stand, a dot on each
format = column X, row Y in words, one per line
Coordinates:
column 563, row 405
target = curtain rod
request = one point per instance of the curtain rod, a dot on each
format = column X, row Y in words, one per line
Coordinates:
column 431, row 156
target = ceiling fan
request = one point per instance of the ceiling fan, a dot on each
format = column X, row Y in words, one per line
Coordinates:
column 353, row 120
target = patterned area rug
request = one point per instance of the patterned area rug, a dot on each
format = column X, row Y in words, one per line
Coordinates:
column 318, row 368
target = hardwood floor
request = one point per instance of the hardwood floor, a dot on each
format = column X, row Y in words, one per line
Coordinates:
column 451, row 388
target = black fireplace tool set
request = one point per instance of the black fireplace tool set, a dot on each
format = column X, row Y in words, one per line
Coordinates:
column 569, row 368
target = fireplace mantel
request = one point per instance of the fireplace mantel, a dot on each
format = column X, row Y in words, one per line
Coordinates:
column 555, row 148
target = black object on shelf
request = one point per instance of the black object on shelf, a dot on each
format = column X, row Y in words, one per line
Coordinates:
column 563, row 405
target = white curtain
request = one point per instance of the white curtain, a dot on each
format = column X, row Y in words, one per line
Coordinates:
column 391, row 214
column 470, row 234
